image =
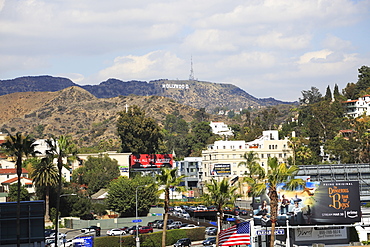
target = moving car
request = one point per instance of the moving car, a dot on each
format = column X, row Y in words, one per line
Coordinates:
column 116, row 232
column 144, row 229
column 174, row 225
column 209, row 241
column 92, row 229
column 183, row 242
column 189, row 226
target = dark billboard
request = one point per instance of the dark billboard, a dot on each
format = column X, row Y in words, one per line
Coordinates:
column 151, row 161
column 317, row 203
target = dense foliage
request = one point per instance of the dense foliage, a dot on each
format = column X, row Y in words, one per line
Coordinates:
column 96, row 172
column 122, row 195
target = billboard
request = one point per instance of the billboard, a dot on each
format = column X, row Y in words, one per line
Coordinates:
column 151, row 161
column 318, row 203
column 220, row 169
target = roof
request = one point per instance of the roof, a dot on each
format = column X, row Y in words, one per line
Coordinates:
column 101, row 194
column 12, row 171
column 12, row 180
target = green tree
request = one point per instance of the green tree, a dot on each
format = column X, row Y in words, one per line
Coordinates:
column 44, row 176
column 328, row 96
column 122, row 195
column 19, row 146
column 97, row 173
column 13, row 193
column 251, row 163
column 219, row 194
column 201, row 134
column 139, row 134
column 167, row 179
column 340, row 149
column 276, row 174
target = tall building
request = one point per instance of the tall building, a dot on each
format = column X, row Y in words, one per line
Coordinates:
column 222, row 158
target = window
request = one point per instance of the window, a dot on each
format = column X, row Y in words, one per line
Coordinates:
column 261, row 156
column 269, row 146
column 280, row 156
column 268, row 155
column 240, row 147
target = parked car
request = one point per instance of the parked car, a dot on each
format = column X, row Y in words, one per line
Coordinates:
column 185, row 214
column 202, row 207
column 192, row 208
column 143, row 229
column 153, row 223
column 209, row 241
column 160, row 225
column 211, row 231
column 115, row 232
column 177, row 208
column 183, row 242
column 174, row 225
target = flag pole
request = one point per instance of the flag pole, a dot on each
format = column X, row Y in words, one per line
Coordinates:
column 287, row 242
column 251, row 224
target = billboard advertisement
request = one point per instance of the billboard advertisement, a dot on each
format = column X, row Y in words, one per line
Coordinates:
column 151, row 161
column 318, row 203
column 220, row 169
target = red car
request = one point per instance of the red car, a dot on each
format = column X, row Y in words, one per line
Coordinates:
column 144, row 229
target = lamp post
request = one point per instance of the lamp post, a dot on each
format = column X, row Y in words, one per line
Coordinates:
column 137, row 223
column 56, row 239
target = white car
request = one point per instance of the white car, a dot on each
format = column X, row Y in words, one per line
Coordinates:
column 52, row 235
column 115, row 232
column 185, row 215
column 202, row 207
column 177, row 208
column 189, row 226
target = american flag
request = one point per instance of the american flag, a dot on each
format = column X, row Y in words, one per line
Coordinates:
column 238, row 234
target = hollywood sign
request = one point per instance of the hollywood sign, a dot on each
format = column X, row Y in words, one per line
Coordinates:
column 178, row 86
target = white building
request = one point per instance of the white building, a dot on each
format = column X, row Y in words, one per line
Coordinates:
column 220, row 128
column 221, row 159
column 358, row 107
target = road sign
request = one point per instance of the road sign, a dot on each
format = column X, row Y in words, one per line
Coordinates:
column 136, row 221
column 268, row 232
column 230, row 219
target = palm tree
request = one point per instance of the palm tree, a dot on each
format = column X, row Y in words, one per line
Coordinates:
column 252, row 165
column 45, row 175
column 276, row 174
column 61, row 148
column 19, row 146
column 167, row 179
column 219, row 194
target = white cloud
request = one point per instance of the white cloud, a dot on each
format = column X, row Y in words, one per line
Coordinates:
column 263, row 45
column 154, row 65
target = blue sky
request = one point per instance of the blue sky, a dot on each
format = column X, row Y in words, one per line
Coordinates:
column 269, row 48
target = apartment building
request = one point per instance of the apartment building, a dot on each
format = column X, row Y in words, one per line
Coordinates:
column 222, row 158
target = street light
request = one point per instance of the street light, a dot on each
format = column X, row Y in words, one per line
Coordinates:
column 137, row 223
column 56, row 239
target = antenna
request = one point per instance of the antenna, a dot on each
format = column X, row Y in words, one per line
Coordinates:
column 191, row 76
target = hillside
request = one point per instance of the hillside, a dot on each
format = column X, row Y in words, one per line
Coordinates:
column 198, row 94
column 74, row 111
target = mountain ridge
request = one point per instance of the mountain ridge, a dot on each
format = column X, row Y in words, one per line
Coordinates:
column 198, row 94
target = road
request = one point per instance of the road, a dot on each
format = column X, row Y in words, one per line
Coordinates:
column 77, row 232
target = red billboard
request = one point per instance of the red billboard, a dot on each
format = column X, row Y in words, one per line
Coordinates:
column 151, row 161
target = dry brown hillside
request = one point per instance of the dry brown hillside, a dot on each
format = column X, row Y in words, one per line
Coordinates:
column 74, row 111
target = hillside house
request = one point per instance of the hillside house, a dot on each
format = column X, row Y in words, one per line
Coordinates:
column 358, row 107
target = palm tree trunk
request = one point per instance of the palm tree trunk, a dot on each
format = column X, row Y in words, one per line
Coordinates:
column 47, row 198
column 19, row 173
column 166, row 204
column 58, row 201
column 274, row 207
